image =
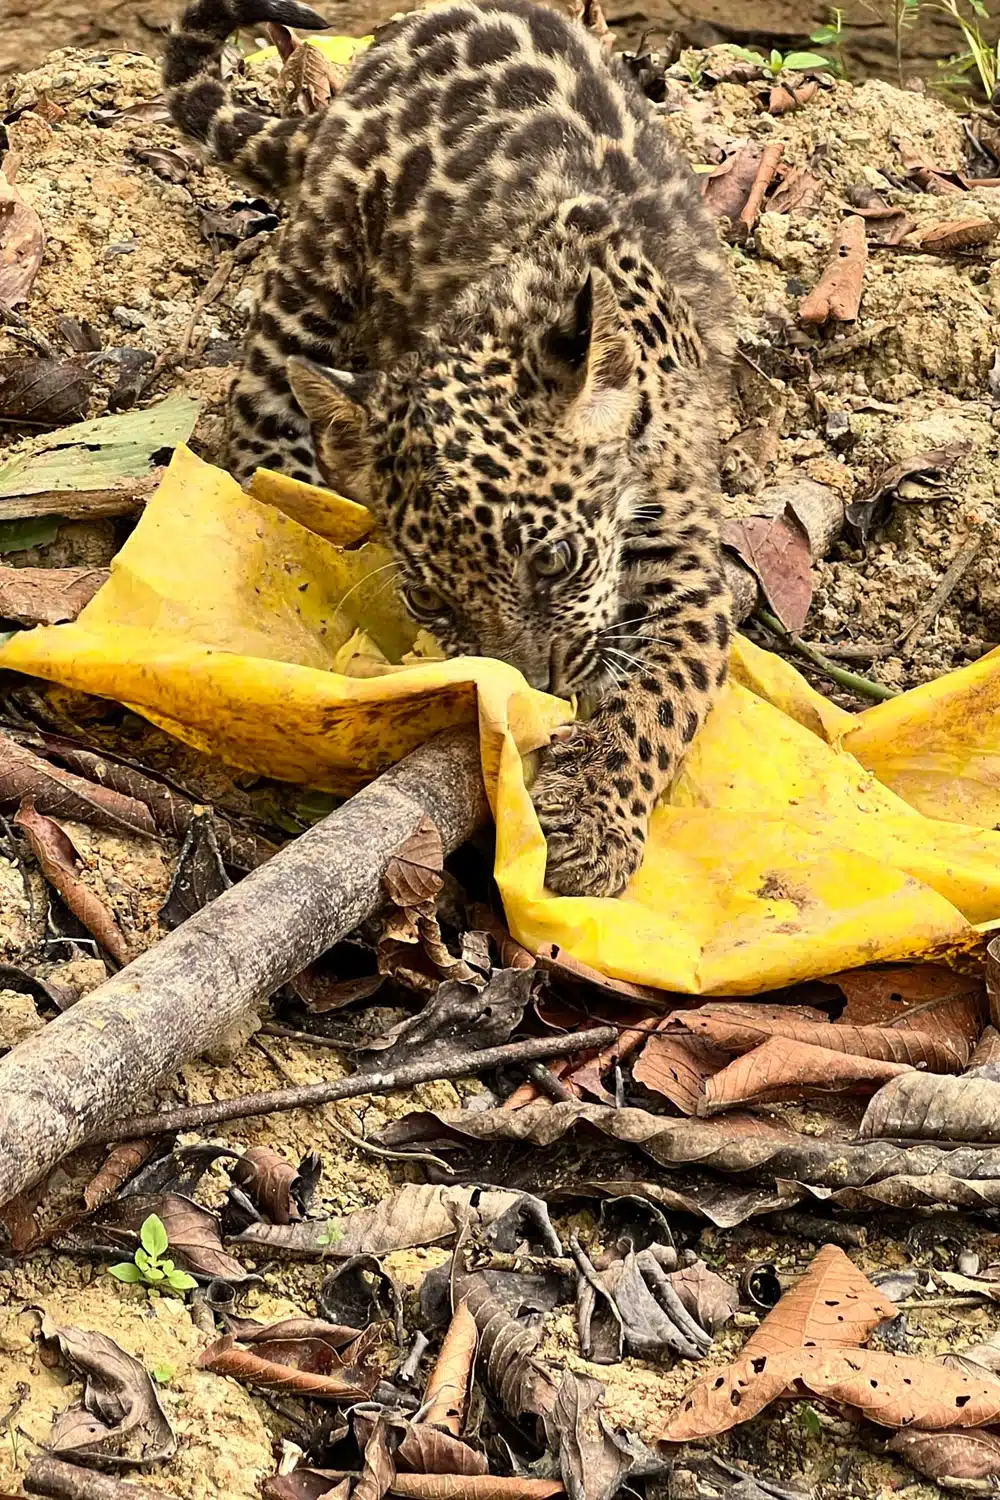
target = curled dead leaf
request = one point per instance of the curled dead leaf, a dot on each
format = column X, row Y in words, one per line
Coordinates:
column 426, row 1450
column 776, row 549
column 43, row 392
column 678, row 1067
column 57, row 857
column 837, row 295
column 473, row 1487
column 920, row 1106
column 121, row 1163
column 950, row 1455
column 709, row 1298
column 782, row 1068
column 955, row 234
column 59, row 793
column 447, row 1390
column 413, row 874
column 310, row 1368
column 119, row 1421
column 271, row 1183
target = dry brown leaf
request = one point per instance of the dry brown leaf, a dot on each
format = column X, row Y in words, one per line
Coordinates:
column 417, row 1214
column 920, row 478
column 955, row 234
column 47, row 596
column 350, row 1383
column 473, row 1487
column 61, row 794
column 739, row 1028
column 893, row 1390
column 985, row 1061
column 122, row 1162
column 377, row 1469
column 950, row 1455
column 22, row 240
column 308, row 80
column 883, row 996
column 269, row 1180
column 43, row 392
column 837, row 295
column 832, row 1304
column 726, row 189
column 447, row 1390
column 119, row 1421
column 523, row 1385
column 413, row 874
column 57, row 857
column 425, row 1450
column 782, row 1068
column 783, row 99
column 594, row 1459
column 776, row 549
column 678, row 1067
column 709, row 1298
column 927, row 1108
column 799, row 191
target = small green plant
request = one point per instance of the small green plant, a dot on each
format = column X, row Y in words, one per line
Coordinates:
column 148, row 1266
column 979, row 53
column 163, row 1374
column 832, row 36
column 693, row 63
column 809, row 1421
column 790, row 62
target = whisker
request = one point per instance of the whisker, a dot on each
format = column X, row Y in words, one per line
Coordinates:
column 632, row 660
column 366, row 579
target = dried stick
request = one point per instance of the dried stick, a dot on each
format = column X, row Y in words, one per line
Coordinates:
column 954, row 574
column 50, row 1476
column 837, row 294
column 357, row 1086
column 107, row 1056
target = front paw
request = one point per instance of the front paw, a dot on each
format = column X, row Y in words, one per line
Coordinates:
column 595, row 837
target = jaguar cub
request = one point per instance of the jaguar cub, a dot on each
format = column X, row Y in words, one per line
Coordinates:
column 497, row 316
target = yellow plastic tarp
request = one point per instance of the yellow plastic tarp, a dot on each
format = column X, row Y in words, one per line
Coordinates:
column 786, row 850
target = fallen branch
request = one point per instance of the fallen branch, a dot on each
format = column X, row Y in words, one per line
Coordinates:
column 104, row 1058
column 357, row 1086
column 837, row 294
column 50, row 1476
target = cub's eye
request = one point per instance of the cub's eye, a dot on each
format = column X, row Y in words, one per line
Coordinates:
column 424, row 604
column 554, row 559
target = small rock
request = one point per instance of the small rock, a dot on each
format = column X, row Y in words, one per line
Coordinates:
column 128, row 317
column 968, row 1263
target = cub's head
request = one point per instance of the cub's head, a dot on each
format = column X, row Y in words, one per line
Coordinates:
column 505, row 483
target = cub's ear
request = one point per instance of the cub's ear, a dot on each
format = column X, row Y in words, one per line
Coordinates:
column 339, row 406
column 600, row 359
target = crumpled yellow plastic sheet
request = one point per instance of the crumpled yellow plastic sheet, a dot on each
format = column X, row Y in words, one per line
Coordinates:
column 799, row 841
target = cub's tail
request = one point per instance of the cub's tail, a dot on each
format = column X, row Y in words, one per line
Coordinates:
column 267, row 152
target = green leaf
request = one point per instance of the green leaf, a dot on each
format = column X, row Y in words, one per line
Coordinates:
column 36, row 531
column 125, row 1270
column 143, row 1260
column 777, row 62
column 180, row 1281
column 825, row 36
column 980, row 9
column 810, row 1421
column 96, row 455
column 166, row 1266
column 153, row 1274
column 745, row 52
column 162, row 1374
column 154, row 1236
column 806, row 61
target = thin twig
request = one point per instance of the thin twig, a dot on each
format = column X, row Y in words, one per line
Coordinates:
column 957, row 1304
column 357, row 1141
column 358, row 1085
column 954, row 574
column 859, row 650
column 861, row 685
column 548, row 1083
column 219, row 277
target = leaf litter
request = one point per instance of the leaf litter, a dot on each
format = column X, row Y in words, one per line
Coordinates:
column 590, row 1461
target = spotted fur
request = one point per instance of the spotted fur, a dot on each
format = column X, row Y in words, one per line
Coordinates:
column 497, row 317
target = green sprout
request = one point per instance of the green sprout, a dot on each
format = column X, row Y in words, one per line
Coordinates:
column 149, row 1268
column 793, row 62
column 832, row 35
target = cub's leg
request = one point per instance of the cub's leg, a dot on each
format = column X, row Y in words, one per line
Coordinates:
column 597, row 787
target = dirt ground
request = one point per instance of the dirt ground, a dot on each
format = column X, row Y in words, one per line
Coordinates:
column 131, row 253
